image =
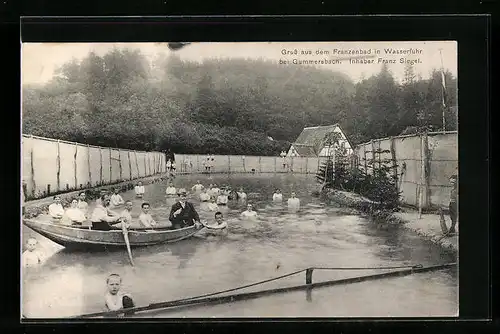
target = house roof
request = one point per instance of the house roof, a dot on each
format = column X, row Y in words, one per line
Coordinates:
column 311, row 135
column 305, row 150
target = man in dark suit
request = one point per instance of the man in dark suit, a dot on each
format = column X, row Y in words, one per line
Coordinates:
column 183, row 213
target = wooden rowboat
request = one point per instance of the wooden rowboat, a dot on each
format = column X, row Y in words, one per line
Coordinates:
column 83, row 237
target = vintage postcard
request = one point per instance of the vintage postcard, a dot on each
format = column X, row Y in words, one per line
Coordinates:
column 220, row 180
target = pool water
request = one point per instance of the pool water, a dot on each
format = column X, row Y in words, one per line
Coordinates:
column 277, row 242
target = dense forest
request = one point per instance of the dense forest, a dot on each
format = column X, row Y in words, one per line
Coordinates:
column 224, row 106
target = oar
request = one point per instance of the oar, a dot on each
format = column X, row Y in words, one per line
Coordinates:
column 127, row 242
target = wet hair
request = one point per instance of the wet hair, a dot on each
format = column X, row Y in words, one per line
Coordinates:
column 56, row 196
column 74, row 199
column 128, row 201
column 144, row 204
column 113, row 275
column 218, row 213
column 83, row 192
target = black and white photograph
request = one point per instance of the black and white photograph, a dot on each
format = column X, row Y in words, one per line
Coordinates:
column 239, row 179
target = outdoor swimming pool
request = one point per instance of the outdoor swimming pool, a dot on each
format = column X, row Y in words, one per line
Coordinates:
column 278, row 242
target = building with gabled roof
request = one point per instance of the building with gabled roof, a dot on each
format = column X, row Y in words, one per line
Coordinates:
column 309, row 142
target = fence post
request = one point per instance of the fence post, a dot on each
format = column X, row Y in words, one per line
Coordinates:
column 307, row 163
column 421, row 179
column 145, row 165
column 58, row 166
column 129, row 165
column 88, row 164
column 426, row 174
column 373, row 156
column 100, row 170
column 75, row 166
column 394, row 162
column 110, row 166
column 244, row 165
column 260, row 164
column 229, row 164
column 136, row 163
column 33, row 183
column 120, row 164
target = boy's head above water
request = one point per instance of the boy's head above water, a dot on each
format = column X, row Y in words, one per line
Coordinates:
column 114, row 282
column 31, row 244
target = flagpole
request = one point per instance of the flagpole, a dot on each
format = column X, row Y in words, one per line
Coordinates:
column 442, row 90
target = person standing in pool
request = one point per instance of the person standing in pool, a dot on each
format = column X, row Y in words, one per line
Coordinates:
column 139, row 190
column 183, row 213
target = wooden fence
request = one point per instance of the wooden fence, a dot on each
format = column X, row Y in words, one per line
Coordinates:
column 424, row 164
column 51, row 166
column 192, row 163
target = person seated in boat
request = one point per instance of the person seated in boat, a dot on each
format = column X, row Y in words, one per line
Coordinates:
column 125, row 215
column 277, row 196
column 103, row 192
column 117, row 199
column 204, row 196
column 249, row 212
column 170, row 191
column 145, row 217
column 293, row 202
column 222, row 199
column 56, row 209
column 241, row 194
column 82, row 203
column 114, row 299
column 73, row 215
column 197, row 187
column 31, row 257
column 139, row 190
column 183, row 213
column 102, row 218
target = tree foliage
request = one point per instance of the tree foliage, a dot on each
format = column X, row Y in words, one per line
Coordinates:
column 222, row 106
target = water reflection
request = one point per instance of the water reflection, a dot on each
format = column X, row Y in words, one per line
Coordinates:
column 279, row 240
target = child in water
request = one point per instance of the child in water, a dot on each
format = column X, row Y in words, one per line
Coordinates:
column 31, row 257
column 115, row 299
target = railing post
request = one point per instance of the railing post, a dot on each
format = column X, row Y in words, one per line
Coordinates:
column 58, row 159
column 88, row 164
column 129, row 165
column 75, row 166
column 33, row 182
column 100, row 170
column 309, row 274
column 120, row 165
